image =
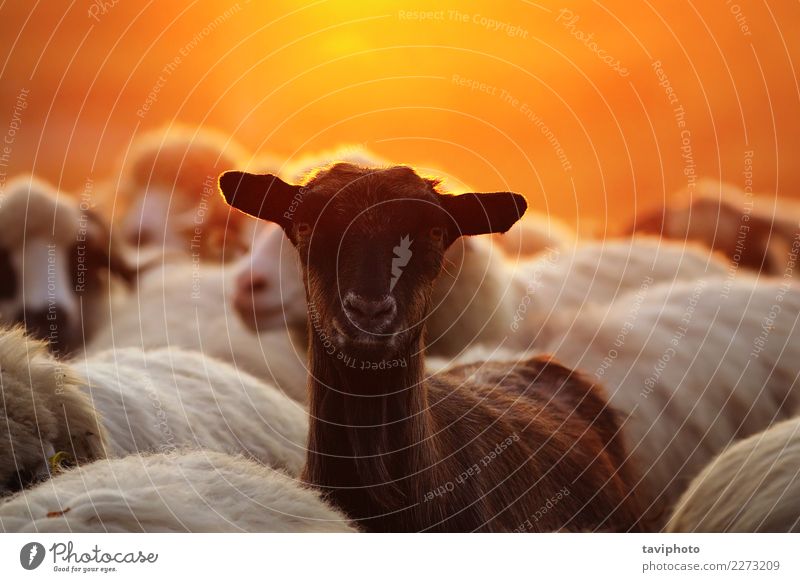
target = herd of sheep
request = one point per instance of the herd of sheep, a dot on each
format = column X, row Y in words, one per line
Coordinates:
column 166, row 371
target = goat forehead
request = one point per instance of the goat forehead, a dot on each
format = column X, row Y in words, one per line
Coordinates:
column 377, row 222
column 372, row 213
column 351, row 189
column 370, row 229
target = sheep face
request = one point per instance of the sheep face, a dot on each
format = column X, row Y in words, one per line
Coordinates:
column 269, row 290
column 169, row 183
column 54, row 259
column 156, row 219
column 371, row 244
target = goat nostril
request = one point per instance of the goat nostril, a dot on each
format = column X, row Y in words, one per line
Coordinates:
column 353, row 306
column 370, row 310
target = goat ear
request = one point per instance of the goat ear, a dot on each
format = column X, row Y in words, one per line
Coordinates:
column 484, row 213
column 261, row 195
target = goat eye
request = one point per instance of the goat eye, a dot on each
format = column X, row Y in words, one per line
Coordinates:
column 437, row 233
column 303, row 228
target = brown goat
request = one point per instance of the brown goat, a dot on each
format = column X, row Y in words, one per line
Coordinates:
column 511, row 446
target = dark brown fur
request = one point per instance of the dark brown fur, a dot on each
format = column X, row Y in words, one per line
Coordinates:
column 396, row 477
column 495, row 446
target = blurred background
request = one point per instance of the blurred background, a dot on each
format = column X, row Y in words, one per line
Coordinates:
column 594, row 112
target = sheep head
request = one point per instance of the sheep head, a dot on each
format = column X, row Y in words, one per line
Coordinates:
column 56, row 253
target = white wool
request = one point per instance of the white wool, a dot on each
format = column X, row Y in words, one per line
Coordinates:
column 535, row 233
column 184, row 304
column 170, row 398
column 695, row 365
column 199, row 491
column 598, row 273
column 42, row 410
column 128, row 401
column 753, row 486
column 483, row 297
column 474, row 298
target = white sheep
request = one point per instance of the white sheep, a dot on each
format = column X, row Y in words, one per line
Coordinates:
column 57, row 264
column 38, row 396
column 166, row 192
column 593, row 274
column 268, row 292
column 185, row 304
column 757, row 232
column 171, row 398
column 753, row 486
column 199, row 491
column 693, row 366
column 126, row 401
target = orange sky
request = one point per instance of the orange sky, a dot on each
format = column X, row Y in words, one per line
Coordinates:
column 505, row 94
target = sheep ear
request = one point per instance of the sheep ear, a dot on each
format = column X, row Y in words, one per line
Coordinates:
column 261, row 195
column 109, row 249
column 484, row 213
